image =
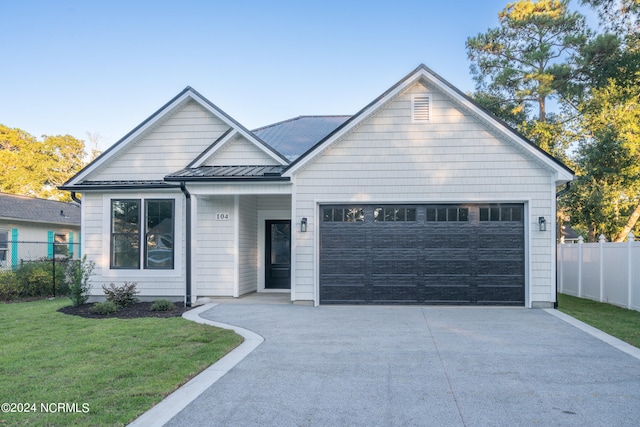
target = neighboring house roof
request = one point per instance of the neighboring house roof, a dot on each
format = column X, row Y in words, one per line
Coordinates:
column 22, row 208
column 568, row 233
column 294, row 137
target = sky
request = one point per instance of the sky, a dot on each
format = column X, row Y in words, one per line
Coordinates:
column 100, row 68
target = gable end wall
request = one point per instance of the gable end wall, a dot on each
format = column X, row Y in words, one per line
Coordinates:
column 453, row 158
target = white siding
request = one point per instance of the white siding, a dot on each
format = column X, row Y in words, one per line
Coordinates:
column 151, row 284
column 247, row 245
column 239, row 151
column 453, row 158
column 275, row 203
column 215, row 253
column 169, row 147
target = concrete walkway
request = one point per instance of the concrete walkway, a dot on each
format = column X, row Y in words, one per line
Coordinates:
column 415, row 365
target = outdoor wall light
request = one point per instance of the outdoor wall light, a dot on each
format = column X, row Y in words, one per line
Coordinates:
column 542, row 223
column 303, row 225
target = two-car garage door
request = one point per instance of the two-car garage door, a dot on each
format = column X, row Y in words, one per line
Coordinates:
column 422, row 254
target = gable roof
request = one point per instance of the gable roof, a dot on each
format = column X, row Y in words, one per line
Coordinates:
column 30, row 209
column 295, row 142
column 175, row 103
column 296, row 136
column 422, row 72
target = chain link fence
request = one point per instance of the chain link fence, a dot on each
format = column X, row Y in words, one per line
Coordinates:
column 35, row 269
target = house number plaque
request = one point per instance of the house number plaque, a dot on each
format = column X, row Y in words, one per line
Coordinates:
column 222, row 216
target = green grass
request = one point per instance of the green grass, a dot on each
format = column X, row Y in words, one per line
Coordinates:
column 118, row 368
column 621, row 323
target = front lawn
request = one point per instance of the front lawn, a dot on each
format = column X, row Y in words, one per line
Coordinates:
column 70, row 370
column 621, row 323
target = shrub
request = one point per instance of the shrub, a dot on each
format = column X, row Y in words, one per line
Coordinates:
column 35, row 278
column 9, row 286
column 106, row 307
column 77, row 278
column 162, row 305
column 122, row 296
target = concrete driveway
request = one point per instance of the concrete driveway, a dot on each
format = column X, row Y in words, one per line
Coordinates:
column 416, row 365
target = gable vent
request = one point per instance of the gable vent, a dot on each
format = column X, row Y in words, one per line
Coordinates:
column 421, row 108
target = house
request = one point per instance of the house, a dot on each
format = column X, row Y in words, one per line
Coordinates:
column 420, row 197
column 32, row 229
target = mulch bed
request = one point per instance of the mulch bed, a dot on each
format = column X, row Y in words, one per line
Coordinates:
column 135, row 311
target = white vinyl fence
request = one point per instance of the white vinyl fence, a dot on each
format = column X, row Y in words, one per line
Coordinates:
column 603, row 271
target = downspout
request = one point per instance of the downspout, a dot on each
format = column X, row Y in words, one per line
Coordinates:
column 187, row 196
column 558, row 194
column 75, row 198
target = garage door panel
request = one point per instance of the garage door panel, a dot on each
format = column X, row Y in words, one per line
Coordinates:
column 500, row 239
column 384, row 238
column 403, row 266
column 499, row 268
column 463, row 257
column 441, row 241
column 452, row 294
column 506, row 295
column 398, row 291
column 343, row 293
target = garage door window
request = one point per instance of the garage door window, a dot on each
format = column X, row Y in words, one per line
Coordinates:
column 343, row 215
column 392, row 213
column 502, row 214
column 441, row 214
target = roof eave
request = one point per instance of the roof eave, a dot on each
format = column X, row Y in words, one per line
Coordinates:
column 228, row 179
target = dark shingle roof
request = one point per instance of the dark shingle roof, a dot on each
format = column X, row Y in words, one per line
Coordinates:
column 228, row 173
column 38, row 210
column 294, row 137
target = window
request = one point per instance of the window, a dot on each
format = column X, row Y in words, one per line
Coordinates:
column 343, row 215
column 4, row 246
column 127, row 229
column 60, row 246
column 159, row 234
column 125, row 234
column 393, row 213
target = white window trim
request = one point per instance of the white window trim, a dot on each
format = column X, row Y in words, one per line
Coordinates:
column 130, row 274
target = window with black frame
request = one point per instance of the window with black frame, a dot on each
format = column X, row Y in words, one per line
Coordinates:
column 125, row 234
column 159, row 220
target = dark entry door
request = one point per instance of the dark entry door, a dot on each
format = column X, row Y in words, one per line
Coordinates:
column 278, row 254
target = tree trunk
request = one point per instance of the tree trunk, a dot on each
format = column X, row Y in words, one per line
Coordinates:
column 543, row 110
column 629, row 226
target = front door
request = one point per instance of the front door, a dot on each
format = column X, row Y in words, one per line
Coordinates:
column 278, row 254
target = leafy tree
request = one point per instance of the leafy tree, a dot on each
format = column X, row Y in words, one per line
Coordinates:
column 35, row 167
column 606, row 197
column 528, row 58
column 621, row 16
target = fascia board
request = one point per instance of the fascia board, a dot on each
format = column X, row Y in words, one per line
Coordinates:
column 562, row 175
column 151, row 121
column 349, row 125
column 239, row 128
column 212, row 149
column 119, row 146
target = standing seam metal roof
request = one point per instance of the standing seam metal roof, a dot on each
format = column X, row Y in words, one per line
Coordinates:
column 296, row 136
